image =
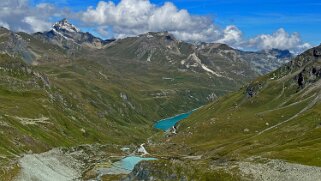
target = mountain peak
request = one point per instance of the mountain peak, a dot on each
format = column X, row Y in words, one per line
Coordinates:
column 278, row 53
column 67, row 35
column 64, row 25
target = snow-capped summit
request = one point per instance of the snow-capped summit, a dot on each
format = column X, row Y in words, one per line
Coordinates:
column 67, row 35
column 64, row 25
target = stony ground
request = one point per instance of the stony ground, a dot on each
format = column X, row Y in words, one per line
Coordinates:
column 49, row 166
column 61, row 165
column 274, row 170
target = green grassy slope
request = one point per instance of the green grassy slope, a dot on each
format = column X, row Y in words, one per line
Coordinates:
column 280, row 120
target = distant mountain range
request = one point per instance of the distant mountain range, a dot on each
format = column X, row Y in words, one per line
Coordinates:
column 151, row 47
column 159, row 47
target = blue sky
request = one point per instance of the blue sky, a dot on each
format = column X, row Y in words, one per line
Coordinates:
column 252, row 17
column 250, row 25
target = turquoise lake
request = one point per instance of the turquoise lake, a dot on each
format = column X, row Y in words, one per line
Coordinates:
column 124, row 166
column 168, row 123
column 129, row 163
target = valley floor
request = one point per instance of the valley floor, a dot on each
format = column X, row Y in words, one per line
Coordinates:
column 79, row 164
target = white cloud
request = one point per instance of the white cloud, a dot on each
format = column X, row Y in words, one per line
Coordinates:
column 304, row 46
column 132, row 17
column 16, row 3
column 280, row 40
column 232, row 35
column 36, row 24
column 4, row 24
column 103, row 30
column 18, row 15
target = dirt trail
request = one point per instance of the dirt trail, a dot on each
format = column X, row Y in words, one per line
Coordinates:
column 290, row 105
column 310, row 105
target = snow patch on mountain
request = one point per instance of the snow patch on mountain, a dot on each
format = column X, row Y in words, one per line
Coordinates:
column 197, row 62
column 58, row 33
column 149, row 57
column 66, row 26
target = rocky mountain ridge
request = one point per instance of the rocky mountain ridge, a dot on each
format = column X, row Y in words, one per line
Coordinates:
column 66, row 35
column 155, row 47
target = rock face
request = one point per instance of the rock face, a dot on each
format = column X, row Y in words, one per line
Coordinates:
column 317, row 52
column 65, row 26
column 68, row 36
column 300, row 80
column 267, row 60
column 308, row 67
column 140, row 172
column 15, row 45
column 253, row 89
column 144, row 171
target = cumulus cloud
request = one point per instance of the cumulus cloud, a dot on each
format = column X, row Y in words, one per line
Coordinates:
column 103, row 31
column 36, row 24
column 232, row 36
column 280, row 39
column 18, row 15
column 132, row 17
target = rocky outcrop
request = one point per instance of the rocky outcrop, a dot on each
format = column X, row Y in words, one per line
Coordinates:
column 317, row 52
column 145, row 171
column 15, row 46
column 301, row 80
column 253, row 89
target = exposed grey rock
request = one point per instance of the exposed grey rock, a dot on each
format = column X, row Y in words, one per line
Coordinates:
column 68, row 36
column 279, row 170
